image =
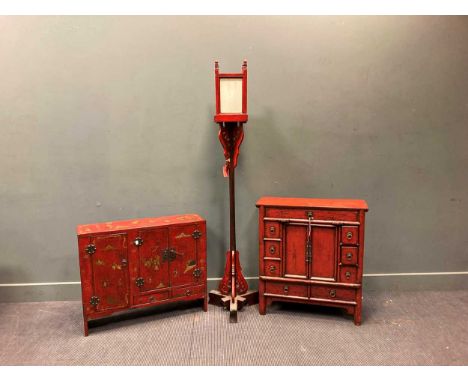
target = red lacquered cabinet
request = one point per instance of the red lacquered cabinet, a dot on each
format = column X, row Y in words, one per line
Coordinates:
column 141, row 262
column 311, row 251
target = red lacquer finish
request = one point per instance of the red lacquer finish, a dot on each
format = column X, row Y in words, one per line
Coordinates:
column 141, row 262
column 226, row 282
column 311, row 251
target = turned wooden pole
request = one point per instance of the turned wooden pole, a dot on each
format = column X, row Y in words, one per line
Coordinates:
column 232, row 217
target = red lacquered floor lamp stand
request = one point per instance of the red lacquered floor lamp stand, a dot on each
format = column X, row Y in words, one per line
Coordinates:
column 231, row 114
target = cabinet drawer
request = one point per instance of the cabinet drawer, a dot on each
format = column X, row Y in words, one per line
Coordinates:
column 300, row 213
column 349, row 235
column 348, row 275
column 190, row 290
column 272, row 268
column 332, row 293
column 272, row 249
column 286, row 289
column 272, row 229
column 349, row 255
column 151, row 298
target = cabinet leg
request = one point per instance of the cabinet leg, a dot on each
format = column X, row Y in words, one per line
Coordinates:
column 357, row 316
column 205, row 304
column 261, row 305
column 85, row 326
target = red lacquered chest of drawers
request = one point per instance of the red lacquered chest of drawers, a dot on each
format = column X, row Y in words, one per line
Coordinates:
column 142, row 262
column 311, row 251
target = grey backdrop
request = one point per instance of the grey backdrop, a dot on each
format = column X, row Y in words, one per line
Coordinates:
column 106, row 118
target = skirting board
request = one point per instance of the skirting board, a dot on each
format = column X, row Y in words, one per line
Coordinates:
column 63, row 291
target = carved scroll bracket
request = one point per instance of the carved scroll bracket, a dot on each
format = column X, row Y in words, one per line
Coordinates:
column 231, row 135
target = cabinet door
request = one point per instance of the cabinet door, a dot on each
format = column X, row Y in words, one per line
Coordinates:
column 183, row 244
column 295, row 237
column 322, row 262
column 324, row 253
column 109, row 272
column 153, row 267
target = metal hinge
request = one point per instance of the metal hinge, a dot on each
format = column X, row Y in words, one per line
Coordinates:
column 90, row 249
column 94, row 300
column 138, row 241
column 140, row 281
column 196, row 234
column 197, row 272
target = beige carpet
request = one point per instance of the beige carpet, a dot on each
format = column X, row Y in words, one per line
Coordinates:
column 411, row 328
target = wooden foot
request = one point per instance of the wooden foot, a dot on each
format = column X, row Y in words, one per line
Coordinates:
column 219, row 299
column 86, row 329
column 262, row 306
column 205, row 304
column 233, row 311
column 357, row 317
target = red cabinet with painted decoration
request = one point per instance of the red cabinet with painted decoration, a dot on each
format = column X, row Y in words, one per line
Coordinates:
column 311, row 251
column 141, row 262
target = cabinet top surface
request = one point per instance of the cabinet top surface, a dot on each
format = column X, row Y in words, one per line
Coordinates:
column 342, row 204
column 124, row 225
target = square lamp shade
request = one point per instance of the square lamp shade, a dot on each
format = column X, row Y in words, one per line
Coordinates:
column 231, row 95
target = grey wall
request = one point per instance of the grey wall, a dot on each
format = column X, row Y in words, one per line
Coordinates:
column 106, row 118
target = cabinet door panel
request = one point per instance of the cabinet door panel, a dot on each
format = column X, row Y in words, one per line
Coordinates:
column 110, row 274
column 152, row 267
column 295, row 256
column 323, row 262
column 185, row 262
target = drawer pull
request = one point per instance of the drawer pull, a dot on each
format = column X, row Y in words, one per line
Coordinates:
column 188, row 292
column 124, row 262
column 272, row 229
column 272, row 249
column 349, row 235
column 152, row 299
column 347, row 275
column 272, row 269
column 333, row 293
column 349, row 255
column 286, row 289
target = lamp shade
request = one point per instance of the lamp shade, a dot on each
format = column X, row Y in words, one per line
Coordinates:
column 231, row 95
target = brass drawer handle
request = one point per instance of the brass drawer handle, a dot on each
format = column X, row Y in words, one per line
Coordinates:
column 333, row 293
column 272, row 229
column 152, row 299
column 272, row 249
column 272, row 269
column 188, row 292
column 124, row 262
column 348, row 275
column 349, row 255
column 286, row 289
column 349, row 235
